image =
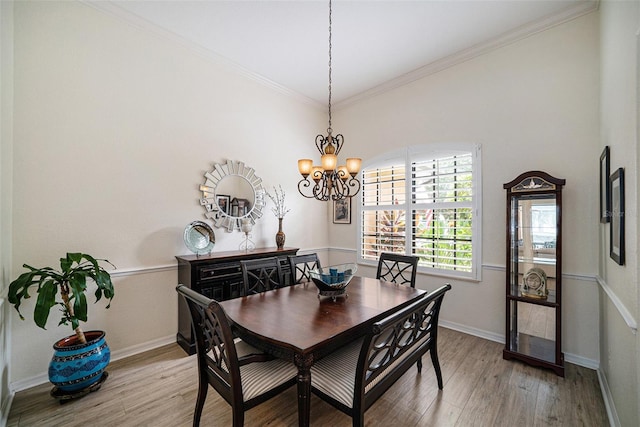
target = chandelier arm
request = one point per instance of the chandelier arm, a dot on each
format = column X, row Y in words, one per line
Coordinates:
column 339, row 190
column 355, row 184
column 321, row 141
column 321, row 190
column 304, row 183
column 338, row 141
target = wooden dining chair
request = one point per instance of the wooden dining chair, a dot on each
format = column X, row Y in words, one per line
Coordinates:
column 397, row 268
column 261, row 275
column 301, row 265
column 241, row 374
column 352, row 378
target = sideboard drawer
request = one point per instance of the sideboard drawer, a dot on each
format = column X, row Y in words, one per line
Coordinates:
column 218, row 272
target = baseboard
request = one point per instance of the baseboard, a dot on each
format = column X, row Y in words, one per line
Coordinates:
column 609, row 405
column 472, row 331
column 571, row 358
column 141, row 348
column 43, row 378
column 582, row 361
column 5, row 407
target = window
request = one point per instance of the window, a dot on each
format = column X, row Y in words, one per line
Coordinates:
column 424, row 201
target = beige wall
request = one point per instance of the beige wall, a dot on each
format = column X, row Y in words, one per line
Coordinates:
column 114, row 127
column 620, row 344
column 533, row 105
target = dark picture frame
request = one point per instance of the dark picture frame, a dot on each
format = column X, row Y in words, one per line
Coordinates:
column 223, row 201
column 342, row 211
column 605, row 193
column 616, row 232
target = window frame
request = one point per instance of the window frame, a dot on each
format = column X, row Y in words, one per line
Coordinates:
column 411, row 154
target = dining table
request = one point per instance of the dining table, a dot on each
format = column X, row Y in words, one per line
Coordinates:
column 295, row 323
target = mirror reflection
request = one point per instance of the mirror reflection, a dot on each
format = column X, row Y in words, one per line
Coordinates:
column 232, row 192
column 235, row 196
column 537, row 235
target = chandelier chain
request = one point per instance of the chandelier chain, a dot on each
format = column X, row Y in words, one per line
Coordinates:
column 329, row 181
column 329, row 129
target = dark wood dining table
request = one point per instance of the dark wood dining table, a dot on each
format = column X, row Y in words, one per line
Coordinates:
column 294, row 323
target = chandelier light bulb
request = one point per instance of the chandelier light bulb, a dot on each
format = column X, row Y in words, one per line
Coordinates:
column 329, row 162
column 304, row 166
column 353, row 165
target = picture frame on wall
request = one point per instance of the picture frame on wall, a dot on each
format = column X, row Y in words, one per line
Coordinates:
column 616, row 234
column 605, row 193
column 342, row 211
column 223, row 202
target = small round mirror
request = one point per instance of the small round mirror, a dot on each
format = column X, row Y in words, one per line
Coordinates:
column 199, row 237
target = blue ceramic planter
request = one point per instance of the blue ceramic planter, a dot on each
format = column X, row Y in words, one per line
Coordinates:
column 76, row 366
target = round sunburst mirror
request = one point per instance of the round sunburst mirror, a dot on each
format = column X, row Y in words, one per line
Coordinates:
column 232, row 192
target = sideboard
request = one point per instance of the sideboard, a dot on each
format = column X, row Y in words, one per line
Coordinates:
column 218, row 275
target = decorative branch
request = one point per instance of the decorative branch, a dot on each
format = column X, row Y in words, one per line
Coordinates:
column 279, row 209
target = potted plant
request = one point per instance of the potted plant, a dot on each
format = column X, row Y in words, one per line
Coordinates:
column 79, row 361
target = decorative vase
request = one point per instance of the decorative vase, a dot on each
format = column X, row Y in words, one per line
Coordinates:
column 76, row 366
column 280, row 235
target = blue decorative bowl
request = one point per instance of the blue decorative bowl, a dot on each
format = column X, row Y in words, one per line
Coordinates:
column 333, row 280
column 75, row 366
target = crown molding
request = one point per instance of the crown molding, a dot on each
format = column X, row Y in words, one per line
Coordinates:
column 504, row 39
column 116, row 11
column 570, row 13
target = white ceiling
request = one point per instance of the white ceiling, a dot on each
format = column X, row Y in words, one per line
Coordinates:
column 376, row 44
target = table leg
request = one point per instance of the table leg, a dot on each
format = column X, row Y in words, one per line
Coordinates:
column 304, row 389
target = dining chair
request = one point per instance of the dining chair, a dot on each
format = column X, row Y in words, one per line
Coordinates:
column 301, row 265
column 397, row 268
column 241, row 374
column 261, row 275
column 352, row 378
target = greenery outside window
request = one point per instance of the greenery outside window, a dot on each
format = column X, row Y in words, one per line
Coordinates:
column 424, row 201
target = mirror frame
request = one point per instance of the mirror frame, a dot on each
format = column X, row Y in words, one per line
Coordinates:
column 219, row 217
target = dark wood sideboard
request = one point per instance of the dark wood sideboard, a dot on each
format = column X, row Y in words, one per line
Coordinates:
column 218, row 276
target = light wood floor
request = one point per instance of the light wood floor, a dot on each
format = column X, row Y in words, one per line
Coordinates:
column 158, row 388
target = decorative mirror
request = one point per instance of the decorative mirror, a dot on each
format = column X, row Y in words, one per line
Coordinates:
column 232, row 192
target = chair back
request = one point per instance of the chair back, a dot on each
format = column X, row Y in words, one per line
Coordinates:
column 261, row 275
column 215, row 348
column 397, row 268
column 395, row 343
column 301, row 265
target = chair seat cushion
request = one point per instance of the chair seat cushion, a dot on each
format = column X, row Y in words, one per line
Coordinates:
column 335, row 375
column 260, row 377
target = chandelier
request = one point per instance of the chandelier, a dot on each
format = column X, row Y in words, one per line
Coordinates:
column 330, row 181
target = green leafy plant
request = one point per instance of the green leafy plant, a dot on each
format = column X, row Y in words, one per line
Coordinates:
column 71, row 282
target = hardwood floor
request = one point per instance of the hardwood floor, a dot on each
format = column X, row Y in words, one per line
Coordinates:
column 158, row 388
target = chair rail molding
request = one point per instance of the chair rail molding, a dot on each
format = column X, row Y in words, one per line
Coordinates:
column 624, row 312
column 143, row 270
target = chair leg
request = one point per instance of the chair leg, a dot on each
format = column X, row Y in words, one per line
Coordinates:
column 358, row 420
column 436, row 365
column 238, row 417
column 202, row 396
column 419, row 364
